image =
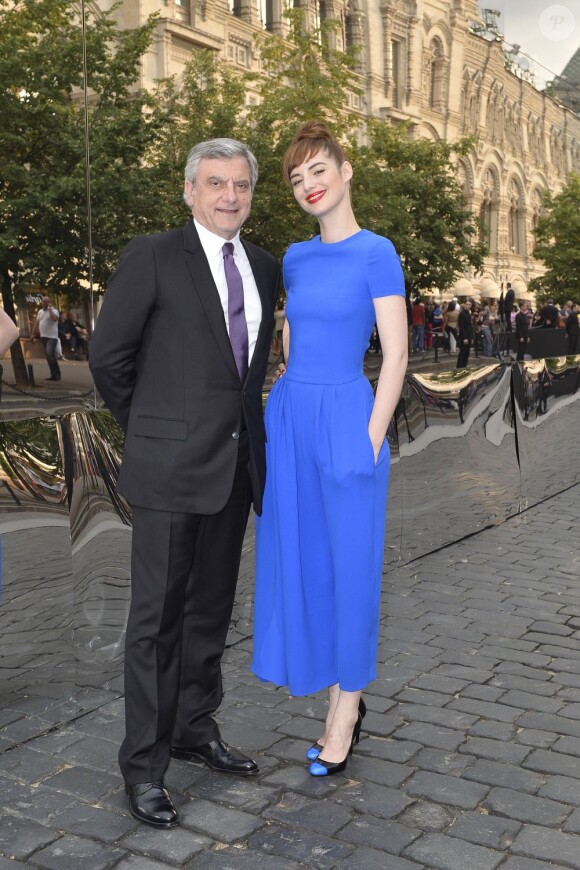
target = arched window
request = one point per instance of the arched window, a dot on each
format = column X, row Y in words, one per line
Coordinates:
column 488, row 211
column 437, row 75
column 516, row 219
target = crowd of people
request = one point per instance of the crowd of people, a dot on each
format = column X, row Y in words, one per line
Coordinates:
column 462, row 325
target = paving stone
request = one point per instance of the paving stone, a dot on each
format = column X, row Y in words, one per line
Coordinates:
column 528, row 864
column 379, row 834
column 562, row 788
column 19, row 838
column 533, row 737
column 484, row 830
column 431, row 735
column 439, row 683
column 175, row 845
column 297, row 778
column 297, row 810
column 27, row 765
column 496, row 773
column 376, row 800
column 303, row 846
column 7, row 864
column 551, row 628
column 72, row 853
column 220, row 823
column 139, row 862
column 398, row 751
column 234, row 858
column 94, row 822
column 83, row 781
column 440, row 852
column 529, row 701
column 438, row 761
column 242, row 793
column 500, row 712
column 92, row 752
column 572, row 823
column 426, row 816
column 371, row 859
column 482, row 693
column 525, row 807
column 495, row 749
column 522, row 684
column 446, row 717
column 548, row 845
column 448, row 790
column 492, row 730
column 381, row 772
column 567, row 745
column 553, row 762
column 547, row 722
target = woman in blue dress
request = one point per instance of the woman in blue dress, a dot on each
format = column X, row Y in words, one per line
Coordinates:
column 320, row 539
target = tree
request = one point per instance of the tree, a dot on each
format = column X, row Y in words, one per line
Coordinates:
column 558, row 244
column 43, row 216
column 407, row 189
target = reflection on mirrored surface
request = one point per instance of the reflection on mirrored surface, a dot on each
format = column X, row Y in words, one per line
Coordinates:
column 547, row 404
column 101, row 544
column 36, row 608
column 457, row 455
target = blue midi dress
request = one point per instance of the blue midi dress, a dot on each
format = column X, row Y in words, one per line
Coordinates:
column 319, row 541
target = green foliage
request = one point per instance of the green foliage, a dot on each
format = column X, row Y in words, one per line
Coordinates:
column 558, row 244
column 43, row 222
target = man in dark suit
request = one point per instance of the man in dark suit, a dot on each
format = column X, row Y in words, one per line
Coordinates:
column 572, row 329
column 179, row 356
column 522, row 330
column 508, row 306
column 465, row 334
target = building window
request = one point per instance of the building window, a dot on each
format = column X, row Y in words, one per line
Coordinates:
column 437, row 76
column 396, row 72
column 183, row 11
column 516, row 220
column 488, row 212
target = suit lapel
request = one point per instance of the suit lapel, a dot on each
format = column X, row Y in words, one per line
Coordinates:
column 265, row 330
column 207, row 291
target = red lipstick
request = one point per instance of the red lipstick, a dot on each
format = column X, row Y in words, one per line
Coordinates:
column 314, row 197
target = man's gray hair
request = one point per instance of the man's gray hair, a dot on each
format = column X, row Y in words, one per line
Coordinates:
column 220, row 149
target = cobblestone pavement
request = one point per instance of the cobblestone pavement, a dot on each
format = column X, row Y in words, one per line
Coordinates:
column 470, row 758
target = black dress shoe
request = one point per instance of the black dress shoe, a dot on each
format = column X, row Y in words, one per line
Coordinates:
column 218, row 756
column 150, row 803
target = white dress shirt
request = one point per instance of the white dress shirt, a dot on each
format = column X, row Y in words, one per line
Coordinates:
column 212, row 246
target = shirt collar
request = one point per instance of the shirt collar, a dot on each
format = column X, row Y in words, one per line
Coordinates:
column 212, row 243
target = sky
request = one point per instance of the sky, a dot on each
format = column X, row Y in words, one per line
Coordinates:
column 548, row 32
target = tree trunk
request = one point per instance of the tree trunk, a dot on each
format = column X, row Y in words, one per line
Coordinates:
column 16, row 354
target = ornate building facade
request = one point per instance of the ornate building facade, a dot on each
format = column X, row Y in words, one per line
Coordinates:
column 431, row 62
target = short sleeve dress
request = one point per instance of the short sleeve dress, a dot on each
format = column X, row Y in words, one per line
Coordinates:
column 320, row 539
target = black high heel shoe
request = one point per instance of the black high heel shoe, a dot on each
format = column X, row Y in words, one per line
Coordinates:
column 320, row 767
column 316, row 748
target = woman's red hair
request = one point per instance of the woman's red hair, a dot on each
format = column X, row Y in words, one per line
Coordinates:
column 312, row 136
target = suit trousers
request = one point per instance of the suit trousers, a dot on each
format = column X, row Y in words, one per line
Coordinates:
column 184, row 571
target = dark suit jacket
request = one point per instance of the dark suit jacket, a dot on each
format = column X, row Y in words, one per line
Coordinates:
column 163, row 364
column 522, row 323
column 465, row 325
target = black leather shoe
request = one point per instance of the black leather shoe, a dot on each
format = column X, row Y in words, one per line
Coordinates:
column 218, row 756
column 150, row 803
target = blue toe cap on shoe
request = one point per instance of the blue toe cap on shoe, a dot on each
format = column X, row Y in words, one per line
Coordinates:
column 312, row 754
column 317, row 769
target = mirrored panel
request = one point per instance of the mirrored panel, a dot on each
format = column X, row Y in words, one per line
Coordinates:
column 457, row 455
column 100, row 529
column 36, row 609
column 547, row 407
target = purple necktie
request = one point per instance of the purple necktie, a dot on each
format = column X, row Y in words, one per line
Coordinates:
column 236, row 314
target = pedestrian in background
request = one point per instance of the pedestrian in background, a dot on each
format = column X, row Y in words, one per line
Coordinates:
column 522, row 330
column 464, row 334
column 46, row 326
column 418, row 323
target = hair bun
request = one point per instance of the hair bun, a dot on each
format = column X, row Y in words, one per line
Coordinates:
column 312, row 130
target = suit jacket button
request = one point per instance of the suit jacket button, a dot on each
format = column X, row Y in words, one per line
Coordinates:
column 235, row 435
